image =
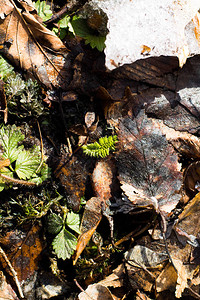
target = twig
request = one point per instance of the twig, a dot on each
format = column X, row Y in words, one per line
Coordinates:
column 42, row 148
column 17, row 181
column 14, row 273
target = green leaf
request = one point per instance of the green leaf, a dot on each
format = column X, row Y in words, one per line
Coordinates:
column 96, row 41
column 27, row 163
column 55, row 223
column 64, row 244
column 64, row 22
column 73, row 221
column 43, row 10
column 81, row 29
column 101, row 148
column 10, row 136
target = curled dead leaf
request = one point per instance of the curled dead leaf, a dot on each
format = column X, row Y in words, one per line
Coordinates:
column 31, row 46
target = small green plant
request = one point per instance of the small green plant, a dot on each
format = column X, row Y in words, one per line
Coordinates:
column 23, row 166
column 43, row 10
column 35, row 206
column 76, row 25
column 6, row 69
column 101, row 148
column 80, row 28
column 64, row 242
column 23, row 97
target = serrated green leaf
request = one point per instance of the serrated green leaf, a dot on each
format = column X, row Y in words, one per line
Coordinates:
column 73, row 221
column 55, row 223
column 43, row 10
column 63, row 23
column 10, row 136
column 64, row 244
column 26, row 164
column 96, row 41
column 80, row 27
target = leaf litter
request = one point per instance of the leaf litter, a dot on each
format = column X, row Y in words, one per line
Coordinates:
column 154, row 169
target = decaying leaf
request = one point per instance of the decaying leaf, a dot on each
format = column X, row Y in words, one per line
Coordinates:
column 23, row 250
column 167, row 279
column 142, row 256
column 148, row 165
column 73, row 174
column 6, row 291
column 31, row 46
column 95, row 292
column 192, row 178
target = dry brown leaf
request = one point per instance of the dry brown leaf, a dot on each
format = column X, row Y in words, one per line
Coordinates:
column 6, row 291
column 101, row 180
column 31, row 46
column 91, row 218
column 141, row 296
column 167, row 279
column 116, row 279
column 96, row 292
column 23, row 250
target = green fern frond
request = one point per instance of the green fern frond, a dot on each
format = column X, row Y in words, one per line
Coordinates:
column 101, row 148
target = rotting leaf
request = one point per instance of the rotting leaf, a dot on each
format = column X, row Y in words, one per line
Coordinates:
column 96, row 291
column 31, row 46
column 73, row 175
column 148, row 165
column 23, row 250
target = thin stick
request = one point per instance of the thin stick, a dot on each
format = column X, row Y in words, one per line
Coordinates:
column 17, row 181
column 14, row 273
column 42, row 148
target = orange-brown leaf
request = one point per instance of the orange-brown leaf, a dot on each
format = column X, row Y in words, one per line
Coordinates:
column 31, row 46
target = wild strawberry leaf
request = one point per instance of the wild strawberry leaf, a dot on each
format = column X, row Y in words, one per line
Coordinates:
column 64, row 244
column 73, row 221
column 43, row 10
column 27, row 163
column 10, row 137
column 81, row 29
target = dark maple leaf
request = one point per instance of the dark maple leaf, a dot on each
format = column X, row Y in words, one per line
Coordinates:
column 148, row 165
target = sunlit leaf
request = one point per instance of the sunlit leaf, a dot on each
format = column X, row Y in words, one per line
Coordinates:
column 64, row 244
column 10, row 137
column 73, row 221
column 27, row 163
column 43, row 10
